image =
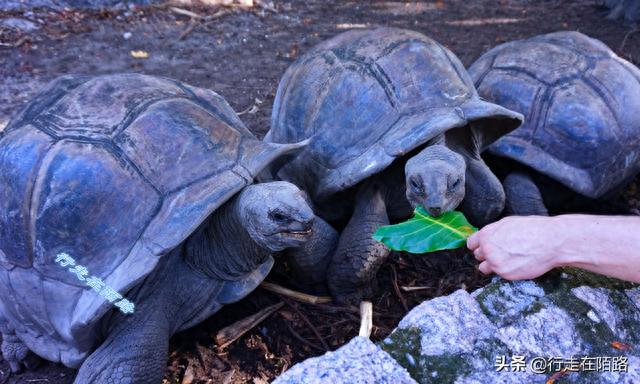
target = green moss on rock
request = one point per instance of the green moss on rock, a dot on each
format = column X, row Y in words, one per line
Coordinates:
column 404, row 346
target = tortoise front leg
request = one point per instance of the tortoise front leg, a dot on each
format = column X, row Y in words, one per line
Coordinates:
column 484, row 198
column 309, row 262
column 353, row 268
column 134, row 352
column 523, row 195
column 14, row 351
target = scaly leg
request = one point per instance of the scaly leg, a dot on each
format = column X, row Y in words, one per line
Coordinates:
column 309, row 262
column 523, row 196
column 484, row 196
column 14, row 351
column 358, row 257
column 135, row 352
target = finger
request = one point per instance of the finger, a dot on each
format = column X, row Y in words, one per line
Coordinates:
column 478, row 254
column 485, row 268
column 473, row 241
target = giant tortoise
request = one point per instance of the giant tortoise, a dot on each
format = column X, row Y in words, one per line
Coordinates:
column 581, row 132
column 394, row 122
column 127, row 214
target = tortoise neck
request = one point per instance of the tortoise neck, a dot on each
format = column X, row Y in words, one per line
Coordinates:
column 222, row 248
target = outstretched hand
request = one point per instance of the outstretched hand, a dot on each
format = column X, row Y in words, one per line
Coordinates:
column 517, row 248
column 526, row 247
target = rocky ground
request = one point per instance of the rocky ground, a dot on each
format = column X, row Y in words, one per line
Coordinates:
column 567, row 327
column 241, row 53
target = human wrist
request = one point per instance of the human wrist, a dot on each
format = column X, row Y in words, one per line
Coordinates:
column 574, row 245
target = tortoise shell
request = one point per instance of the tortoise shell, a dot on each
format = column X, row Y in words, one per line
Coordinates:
column 366, row 97
column 115, row 171
column 580, row 103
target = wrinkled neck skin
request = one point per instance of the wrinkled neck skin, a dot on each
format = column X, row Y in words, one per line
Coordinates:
column 393, row 184
column 222, row 248
column 484, row 195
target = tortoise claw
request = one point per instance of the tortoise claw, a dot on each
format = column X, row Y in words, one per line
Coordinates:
column 14, row 351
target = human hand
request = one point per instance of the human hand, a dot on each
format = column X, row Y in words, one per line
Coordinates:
column 518, row 248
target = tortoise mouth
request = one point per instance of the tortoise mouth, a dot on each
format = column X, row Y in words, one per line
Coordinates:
column 295, row 237
column 306, row 232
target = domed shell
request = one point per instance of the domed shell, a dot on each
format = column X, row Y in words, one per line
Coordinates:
column 366, row 97
column 114, row 171
column 580, row 103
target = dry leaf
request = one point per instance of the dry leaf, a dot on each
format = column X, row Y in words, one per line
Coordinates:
column 620, row 345
column 140, row 54
column 556, row 376
column 188, row 375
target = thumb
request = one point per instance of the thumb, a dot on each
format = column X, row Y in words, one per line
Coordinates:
column 473, row 241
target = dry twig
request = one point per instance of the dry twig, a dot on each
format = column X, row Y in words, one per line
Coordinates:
column 298, row 296
column 302, row 339
column 185, row 12
column 311, row 326
column 416, row 288
column 366, row 319
column 397, row 290
column 188, row 30
column 228, row 335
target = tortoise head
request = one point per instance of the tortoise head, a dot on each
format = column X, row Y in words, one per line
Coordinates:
column 276, row 215
column 435, row 179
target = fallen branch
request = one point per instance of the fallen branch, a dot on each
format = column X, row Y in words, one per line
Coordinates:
column 298, row 296
column 188, row 30
column 185, row 12
column 309, row 324
column 397, row 290
column 302, row 339
column 418, row 288
column 366, row 319
column 228, row 335
column 250, row 110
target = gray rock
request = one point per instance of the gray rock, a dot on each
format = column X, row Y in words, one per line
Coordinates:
column 599, row 300
column 461, row 338
column 634, row 295
column 359, row 361
column 504, row 304
column 550, row 331
column 450, row 324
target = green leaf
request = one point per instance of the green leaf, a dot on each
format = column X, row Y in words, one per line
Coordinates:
column 423, row 233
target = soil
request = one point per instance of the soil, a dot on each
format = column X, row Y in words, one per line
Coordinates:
column 242, row 53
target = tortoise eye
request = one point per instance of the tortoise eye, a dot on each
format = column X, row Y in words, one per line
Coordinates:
column 456, row 183
column 278, row 216
column 416, row 185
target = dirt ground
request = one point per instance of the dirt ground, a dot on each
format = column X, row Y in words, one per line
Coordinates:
column 241, row 54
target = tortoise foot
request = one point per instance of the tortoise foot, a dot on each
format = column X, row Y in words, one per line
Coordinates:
column 16, row 353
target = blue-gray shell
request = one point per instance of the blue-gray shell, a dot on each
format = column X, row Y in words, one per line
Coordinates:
column 580, row 102
column 115, row 171
column 366, row 97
